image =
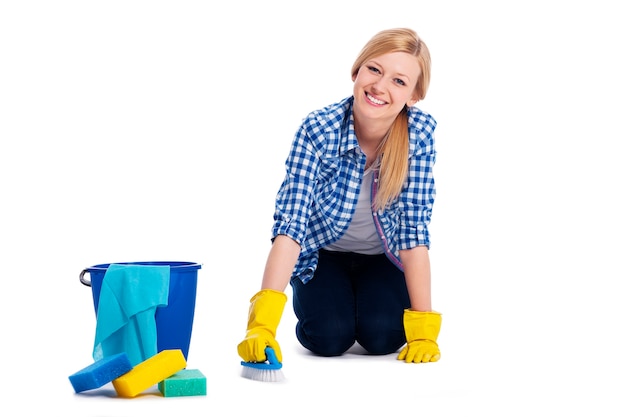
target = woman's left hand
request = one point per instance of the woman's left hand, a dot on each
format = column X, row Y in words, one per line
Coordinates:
column 421, row 329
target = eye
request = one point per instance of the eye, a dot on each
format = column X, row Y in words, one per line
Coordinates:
column 373, row 69
column 399, row 81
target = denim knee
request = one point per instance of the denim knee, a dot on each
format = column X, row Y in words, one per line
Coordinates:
column 381, row 341
column 325, row 341
column 381, row 345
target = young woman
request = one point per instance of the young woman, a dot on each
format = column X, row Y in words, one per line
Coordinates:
column 351, row 222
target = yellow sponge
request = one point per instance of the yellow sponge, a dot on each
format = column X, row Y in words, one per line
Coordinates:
column 150, row 372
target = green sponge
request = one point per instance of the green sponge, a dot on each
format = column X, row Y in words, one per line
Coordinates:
column 184, row 383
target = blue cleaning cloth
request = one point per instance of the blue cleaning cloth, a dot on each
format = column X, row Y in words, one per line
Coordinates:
column 127, row 306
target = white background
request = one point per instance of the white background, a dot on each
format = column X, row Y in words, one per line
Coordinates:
column 155, row 130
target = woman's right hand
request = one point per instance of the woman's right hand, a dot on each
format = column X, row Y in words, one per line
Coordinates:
column 266, row 309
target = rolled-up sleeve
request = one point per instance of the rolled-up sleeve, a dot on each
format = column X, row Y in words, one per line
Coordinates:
column 418, row 196
column 293, row 201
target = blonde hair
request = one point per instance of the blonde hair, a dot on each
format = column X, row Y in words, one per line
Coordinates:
column 394, row 164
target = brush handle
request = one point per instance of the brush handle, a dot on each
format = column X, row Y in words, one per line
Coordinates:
column 272, row 362
column 271, row 356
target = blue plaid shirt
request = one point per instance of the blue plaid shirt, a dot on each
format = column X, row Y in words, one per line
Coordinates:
column 325, row 166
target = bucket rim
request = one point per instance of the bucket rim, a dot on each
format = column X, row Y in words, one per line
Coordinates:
column 171, row 264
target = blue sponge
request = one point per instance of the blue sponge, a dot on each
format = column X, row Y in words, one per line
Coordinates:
column 101, row 372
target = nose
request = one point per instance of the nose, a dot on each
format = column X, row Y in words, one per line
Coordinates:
column 377, row 87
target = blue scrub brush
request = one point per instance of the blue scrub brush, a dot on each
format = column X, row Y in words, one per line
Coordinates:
column 268, row 371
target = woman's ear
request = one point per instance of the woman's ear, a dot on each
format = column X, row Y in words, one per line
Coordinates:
column 415, row 97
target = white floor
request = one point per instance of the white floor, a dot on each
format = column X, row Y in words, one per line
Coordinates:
column 135, row 131
column 509, row 354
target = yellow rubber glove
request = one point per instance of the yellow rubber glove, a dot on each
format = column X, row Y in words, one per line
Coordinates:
column 421, row 330
column 266, row 310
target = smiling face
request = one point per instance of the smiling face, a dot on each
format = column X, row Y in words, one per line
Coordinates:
column 384, row 85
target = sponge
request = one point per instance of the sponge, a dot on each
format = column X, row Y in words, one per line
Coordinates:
column 101, row 372
column 150, row 372
column 184, row 383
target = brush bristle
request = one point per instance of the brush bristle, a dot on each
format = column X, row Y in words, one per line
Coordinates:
column 263, row 375
column 268, row 371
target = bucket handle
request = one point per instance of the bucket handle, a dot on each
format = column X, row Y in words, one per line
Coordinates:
column 82, row 279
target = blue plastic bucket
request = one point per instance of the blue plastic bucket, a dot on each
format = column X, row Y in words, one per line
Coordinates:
column 174, row 322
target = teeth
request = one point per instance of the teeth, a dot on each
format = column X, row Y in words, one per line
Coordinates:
column 375, row 100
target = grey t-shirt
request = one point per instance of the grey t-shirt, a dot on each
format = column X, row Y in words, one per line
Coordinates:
column 361, row 236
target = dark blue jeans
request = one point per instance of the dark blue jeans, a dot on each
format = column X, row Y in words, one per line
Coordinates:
column 351, row 297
